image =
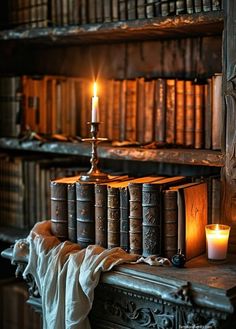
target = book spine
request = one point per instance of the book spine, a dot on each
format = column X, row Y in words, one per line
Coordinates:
column 190, row 6
column 160, row 106
column 140, row 110
column 131, row 8
column 199, row 98
column 149, row 111
column 217, row 115
column 151, row 208
column 181, row 7
column 135, row 218
column 189, row 113
column 113, row 217
column 124, row 218
column 180, row 112
column 197, row 6
column 141, row 9
column 101, row 215
column 206, row 5
column 85, row 214
column 59, row 210
column 170, row 110
column 170, row 223
column 71, row 204
column 130, row 115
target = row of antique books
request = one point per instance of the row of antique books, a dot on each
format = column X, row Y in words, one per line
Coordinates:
column 25, row 187
column 147, row 215
column 172, row 111
column 42, row 13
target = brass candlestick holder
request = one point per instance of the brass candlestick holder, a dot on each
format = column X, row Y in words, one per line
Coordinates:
column 94, row 174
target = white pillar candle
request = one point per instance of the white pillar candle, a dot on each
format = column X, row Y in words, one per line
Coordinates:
column 217, row 236
column 95, row 106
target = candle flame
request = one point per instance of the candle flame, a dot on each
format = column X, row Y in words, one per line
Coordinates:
column 94, row 89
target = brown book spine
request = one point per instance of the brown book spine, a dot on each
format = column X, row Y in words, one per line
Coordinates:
column 71, row 204
column 207, row 113
column 189, row 113
column 85, row 214
column 151, row 208
column 217, row 111
column 113, row 217
column 170, row 222
column 170, row 110
column 149, row 111
column 160, row 109
column 180, row 112
column 124, row 218
column 130, row 114
column 101, row 215
column 199, row 107
column 135, row 218
column 116, row 109
column 140, row 110
column 59, row 210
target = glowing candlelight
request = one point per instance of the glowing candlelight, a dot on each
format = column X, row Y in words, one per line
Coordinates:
column 95, row 108
column 217, row 236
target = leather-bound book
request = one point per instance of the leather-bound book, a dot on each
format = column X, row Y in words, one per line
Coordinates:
column 180, row 112
column 152, row 236
column 192, row 218
column 199, row 110
column 101, row 214
column 189, row 113
column 170, row 110
column 71, row 204
column 160, row 110
column 217, row 111
column 170, row 223
column 101, row 210
column 59, row 206
column 124, row 218
column 85, row 213
column 113, row 217
column 135, row 213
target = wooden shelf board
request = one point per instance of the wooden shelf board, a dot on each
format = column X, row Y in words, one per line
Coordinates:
column 208, row 23
column 169, row 155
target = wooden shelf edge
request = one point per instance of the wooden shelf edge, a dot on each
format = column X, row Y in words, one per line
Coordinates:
column 169, row 155
column 205, row 23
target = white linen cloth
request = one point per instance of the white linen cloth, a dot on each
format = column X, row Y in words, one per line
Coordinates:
column 67, row 275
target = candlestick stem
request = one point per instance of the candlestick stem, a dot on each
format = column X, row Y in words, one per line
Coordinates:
column 94, row 174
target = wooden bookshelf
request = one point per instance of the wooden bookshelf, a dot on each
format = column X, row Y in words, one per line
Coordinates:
column 198, row 24
column 106, row 151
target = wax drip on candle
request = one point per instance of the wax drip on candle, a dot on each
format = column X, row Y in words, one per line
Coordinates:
column 95, row 107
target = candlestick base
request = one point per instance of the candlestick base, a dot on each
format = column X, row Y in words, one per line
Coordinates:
column 93, row 176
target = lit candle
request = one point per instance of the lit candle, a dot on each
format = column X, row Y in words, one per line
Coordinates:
column 95, row 108
column 217, row 236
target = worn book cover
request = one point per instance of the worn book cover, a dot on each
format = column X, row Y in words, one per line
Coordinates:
column 189, row 113
column 170, row 110
column 180, row 111
column 199, row 116
column 192, row 218
column 152, row 202
column 217, row 111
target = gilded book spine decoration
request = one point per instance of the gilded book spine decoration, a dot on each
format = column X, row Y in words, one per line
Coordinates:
column 101, row 215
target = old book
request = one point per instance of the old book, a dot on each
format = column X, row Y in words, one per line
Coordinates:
column 149, row 8
column 85, row 200
column 170, row 223
column 164, row 7
column 180, row 111
column 101, row 215
column 181, row 7
column 148, row 111
column 152, row 226
column 136, row 213
column 160, row 110
column 208, row 114
column 189, row 113
column 130, row 110
column 192, row 218
column 107, row 10
column 217, row 111
column 141, row 12
column 91, row 11
column 140, row 109
column 190, row 6
column 59, row 206
column 123, row 10
column 99, row 11
column 131, row 9
column 115, row 10
column 11, row 98
column 197, row 6
column 199, row 113
column 71, row 212
column 206, row 5
column 116, row 109
column 170, row 110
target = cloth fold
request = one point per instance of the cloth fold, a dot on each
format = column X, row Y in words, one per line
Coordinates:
column 67, row 275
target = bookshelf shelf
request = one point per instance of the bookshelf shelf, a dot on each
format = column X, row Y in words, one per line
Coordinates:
column 169, row 155
column 209, row 23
